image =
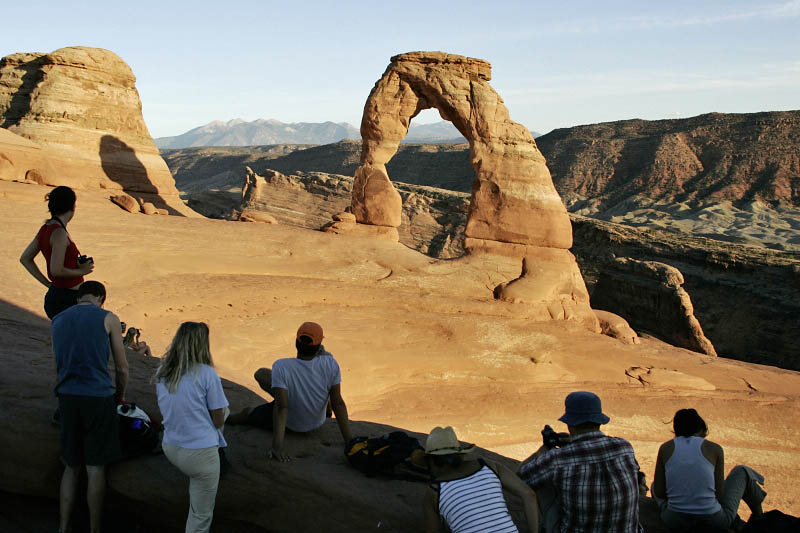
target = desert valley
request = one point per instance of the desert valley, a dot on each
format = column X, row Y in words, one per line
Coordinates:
column 654, row 263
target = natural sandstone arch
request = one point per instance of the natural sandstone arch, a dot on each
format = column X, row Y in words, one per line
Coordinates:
column 513, row 197
column 515, row 209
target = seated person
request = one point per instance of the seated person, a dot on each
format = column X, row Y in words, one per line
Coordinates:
column 688, row 483
column 589, row 483
column 301, row 387
column 131, row 340
column 467, row 494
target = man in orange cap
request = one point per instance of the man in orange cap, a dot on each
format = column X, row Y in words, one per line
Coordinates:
column 302, row 387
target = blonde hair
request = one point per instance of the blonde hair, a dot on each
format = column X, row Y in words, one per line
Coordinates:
column 189, row 348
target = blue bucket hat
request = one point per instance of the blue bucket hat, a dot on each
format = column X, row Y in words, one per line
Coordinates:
column 583, row 406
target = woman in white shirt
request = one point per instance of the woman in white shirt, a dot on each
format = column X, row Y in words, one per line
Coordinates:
column 194, row 407
column 688, row 484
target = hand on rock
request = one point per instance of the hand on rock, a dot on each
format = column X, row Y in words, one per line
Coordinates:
column 278, row 455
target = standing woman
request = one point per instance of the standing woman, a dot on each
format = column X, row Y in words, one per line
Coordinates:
column 688, row 483
column 64, row 271
column 194, row 407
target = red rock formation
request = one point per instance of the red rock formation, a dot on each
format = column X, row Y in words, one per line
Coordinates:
column 80, row 107
column 650, row 296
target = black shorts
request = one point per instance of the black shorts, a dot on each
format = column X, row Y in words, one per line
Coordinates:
column 261, row 416
column 59, row 299
column 89, row 430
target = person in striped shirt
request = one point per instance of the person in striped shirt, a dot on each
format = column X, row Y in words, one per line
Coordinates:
column 590, row 483
column 467, row 493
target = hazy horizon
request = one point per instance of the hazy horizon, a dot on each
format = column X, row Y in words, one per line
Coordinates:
column 554, row 65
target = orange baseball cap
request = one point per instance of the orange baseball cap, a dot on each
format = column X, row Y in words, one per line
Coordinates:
column 311, row 330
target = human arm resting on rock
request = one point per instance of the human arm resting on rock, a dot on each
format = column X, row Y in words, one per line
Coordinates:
column 516, row 486
column 340, row 411
column 433, row 520
column 114, row 329
column 60, row 242
column 660, row 476
column 280, row 412
column 30, row 265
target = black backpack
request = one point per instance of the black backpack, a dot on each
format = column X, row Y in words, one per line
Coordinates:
column 385, row 455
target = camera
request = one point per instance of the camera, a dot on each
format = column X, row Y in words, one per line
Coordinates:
column 550, row 438
column 84, row 259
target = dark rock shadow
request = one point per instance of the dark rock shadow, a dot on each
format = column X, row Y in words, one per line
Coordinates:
column 20, row 103
column 121, row 165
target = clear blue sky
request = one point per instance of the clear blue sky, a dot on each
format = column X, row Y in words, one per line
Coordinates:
column 555, row 64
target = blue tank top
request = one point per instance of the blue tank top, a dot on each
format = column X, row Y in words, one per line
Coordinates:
column 690, row 479
column 82, row 348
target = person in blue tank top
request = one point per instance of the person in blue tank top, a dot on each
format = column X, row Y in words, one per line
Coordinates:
column 84, row 336
column 688, row 483
column 467, row 493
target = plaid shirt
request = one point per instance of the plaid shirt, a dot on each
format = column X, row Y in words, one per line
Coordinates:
column 595, row 477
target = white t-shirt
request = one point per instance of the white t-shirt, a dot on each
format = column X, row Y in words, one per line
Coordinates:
column 308, row 383
column 187, row 421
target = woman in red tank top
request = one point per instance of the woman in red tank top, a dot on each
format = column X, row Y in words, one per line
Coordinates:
column 65, row 269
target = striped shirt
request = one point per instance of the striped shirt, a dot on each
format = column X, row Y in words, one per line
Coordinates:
column 475, row 504
column 595, row 477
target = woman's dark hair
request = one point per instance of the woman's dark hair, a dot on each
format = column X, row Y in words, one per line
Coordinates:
column 687, row 423
column 60, row 200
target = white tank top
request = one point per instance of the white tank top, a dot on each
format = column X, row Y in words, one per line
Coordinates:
column 475, row 504
column 690, row 479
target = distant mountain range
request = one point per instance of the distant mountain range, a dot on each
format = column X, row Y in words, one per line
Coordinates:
column 238, row 132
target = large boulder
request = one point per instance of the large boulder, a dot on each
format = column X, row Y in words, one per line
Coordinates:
column 79, row 106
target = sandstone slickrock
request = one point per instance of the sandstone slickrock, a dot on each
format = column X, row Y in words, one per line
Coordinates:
column 80, row 107
column 650, row 296
column 514, row 202
column 251, row 215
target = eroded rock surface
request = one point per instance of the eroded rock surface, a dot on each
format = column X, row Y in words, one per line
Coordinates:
column 651, row 297
column 80, row 107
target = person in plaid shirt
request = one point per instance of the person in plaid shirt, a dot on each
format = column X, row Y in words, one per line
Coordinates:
column 591, row 482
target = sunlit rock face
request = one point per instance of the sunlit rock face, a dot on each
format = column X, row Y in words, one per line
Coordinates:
column 80, row 107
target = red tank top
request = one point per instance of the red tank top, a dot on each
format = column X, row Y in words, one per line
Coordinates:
column 70, row 257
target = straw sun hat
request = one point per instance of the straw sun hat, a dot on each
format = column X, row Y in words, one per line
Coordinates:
column 443, row 441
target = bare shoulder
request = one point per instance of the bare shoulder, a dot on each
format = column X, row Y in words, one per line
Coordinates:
column 712, row 447
column 666, row 450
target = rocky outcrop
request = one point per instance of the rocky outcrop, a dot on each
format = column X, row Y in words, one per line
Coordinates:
column 746, row 298
column 80, row 108
column 734, row 157
column 432, row 220
column 650, row 296
column 617, row 327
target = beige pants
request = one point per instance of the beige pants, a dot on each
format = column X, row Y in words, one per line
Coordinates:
column 202, row 467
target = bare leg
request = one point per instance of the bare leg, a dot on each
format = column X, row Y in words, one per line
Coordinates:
column 95, row 493
column 69, row 486
column 264, row 378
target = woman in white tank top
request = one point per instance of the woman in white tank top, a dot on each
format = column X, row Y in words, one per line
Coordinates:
column 688, row 484
column 467, row 494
